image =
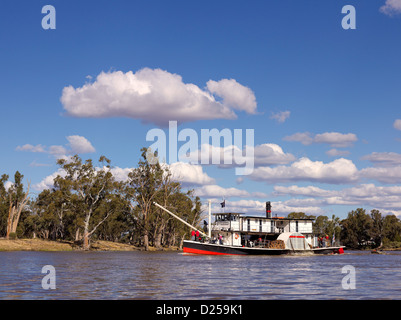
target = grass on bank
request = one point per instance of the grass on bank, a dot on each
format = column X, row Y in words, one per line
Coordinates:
column 48, row 245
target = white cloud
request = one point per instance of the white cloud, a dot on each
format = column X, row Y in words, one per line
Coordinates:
column 334, row 139
column 215, row 191
column 189, row 174
column 303, row 137
column 263, row 154
column 79, row 144
column 388, row 175
column 76, row 145
column 48, row 182
column 386, row 199
column 397, row 124
column 185, row 173
column 337, row 153
column 384, row 159
column 309, row 191
column 271, row 154
column 8, row 185
column 31, row 148
column 338, row 171
column 157, row 96
column 391, row 7
column 280, row 116
column 58, row 151
column 234, row 95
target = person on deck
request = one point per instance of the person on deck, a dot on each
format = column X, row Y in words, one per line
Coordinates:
column 193, row 235
column 197, row 235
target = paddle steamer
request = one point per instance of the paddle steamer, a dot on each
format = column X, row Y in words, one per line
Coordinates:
column 238, row 234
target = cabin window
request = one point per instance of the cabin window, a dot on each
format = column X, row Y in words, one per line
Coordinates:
column 271, row 226
column 249, row 224
column 296, row 226
column 260, row 225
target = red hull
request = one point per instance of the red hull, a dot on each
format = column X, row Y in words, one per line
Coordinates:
column 198, row 251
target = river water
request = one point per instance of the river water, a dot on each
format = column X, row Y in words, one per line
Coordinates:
column 176, row 276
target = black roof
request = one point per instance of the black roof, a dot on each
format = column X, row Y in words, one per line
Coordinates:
column 243, row 215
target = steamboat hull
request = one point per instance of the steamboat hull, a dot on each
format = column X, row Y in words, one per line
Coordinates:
column 194, row 247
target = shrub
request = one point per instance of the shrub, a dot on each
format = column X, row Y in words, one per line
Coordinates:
column 12, row 236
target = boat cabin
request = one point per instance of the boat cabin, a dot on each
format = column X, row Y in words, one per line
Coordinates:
column 237, row 229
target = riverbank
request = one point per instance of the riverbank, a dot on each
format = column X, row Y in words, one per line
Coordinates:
column 47, row 245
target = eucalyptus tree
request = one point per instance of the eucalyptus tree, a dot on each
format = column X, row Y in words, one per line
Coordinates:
column 90, row 191
column 356, row 228
column 143, row 186
column 153, row 182
column 16, row 199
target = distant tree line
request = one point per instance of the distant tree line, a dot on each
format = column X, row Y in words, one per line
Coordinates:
column 359, row 229
column 88, row 203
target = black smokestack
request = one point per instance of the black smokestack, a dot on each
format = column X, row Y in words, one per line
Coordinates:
column 268, row 210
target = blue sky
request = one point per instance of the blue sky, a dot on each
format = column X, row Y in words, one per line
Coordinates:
column 336, row 148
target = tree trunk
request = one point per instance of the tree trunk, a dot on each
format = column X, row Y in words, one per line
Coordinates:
column 86, row 240
column 182, row 242
column 86, row 232
column 77, row 235
column 14, row 213
column 146, row 240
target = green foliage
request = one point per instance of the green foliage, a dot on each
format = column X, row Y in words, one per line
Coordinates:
column 13, row 236
column 88, row 203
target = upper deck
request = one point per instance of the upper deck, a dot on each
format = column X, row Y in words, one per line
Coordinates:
column 235, row 222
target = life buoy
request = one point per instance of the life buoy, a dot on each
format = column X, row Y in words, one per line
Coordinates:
column 236, row 236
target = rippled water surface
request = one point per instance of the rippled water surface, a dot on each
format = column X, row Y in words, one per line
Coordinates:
column 172, row 275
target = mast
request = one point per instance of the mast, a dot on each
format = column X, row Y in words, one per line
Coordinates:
column 210, row 220
column 183, row 221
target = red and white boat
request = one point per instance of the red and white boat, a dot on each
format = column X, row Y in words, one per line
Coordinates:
column 237, row 234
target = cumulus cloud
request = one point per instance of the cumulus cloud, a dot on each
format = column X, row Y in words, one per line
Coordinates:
column 280, row 116
column 156, row 96
column 48, row 182
column 337, row 153
column 386, row 199
column 384, row 159
column 234, row 95
column 309, row 191
column 303, row 137
column 338, row 171
column 215, row 191
column 334, row 139
column 76, row 145
column 397, row 124
column 79, row 144
column 189, row 174
column 231, row 156
column 388, row 175
column 391, row 7
column 31, row 148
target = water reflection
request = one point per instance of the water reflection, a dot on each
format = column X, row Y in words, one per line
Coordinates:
column 140, row 275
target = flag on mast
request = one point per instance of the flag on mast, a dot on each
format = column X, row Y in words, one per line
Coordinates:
column 223, row 205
